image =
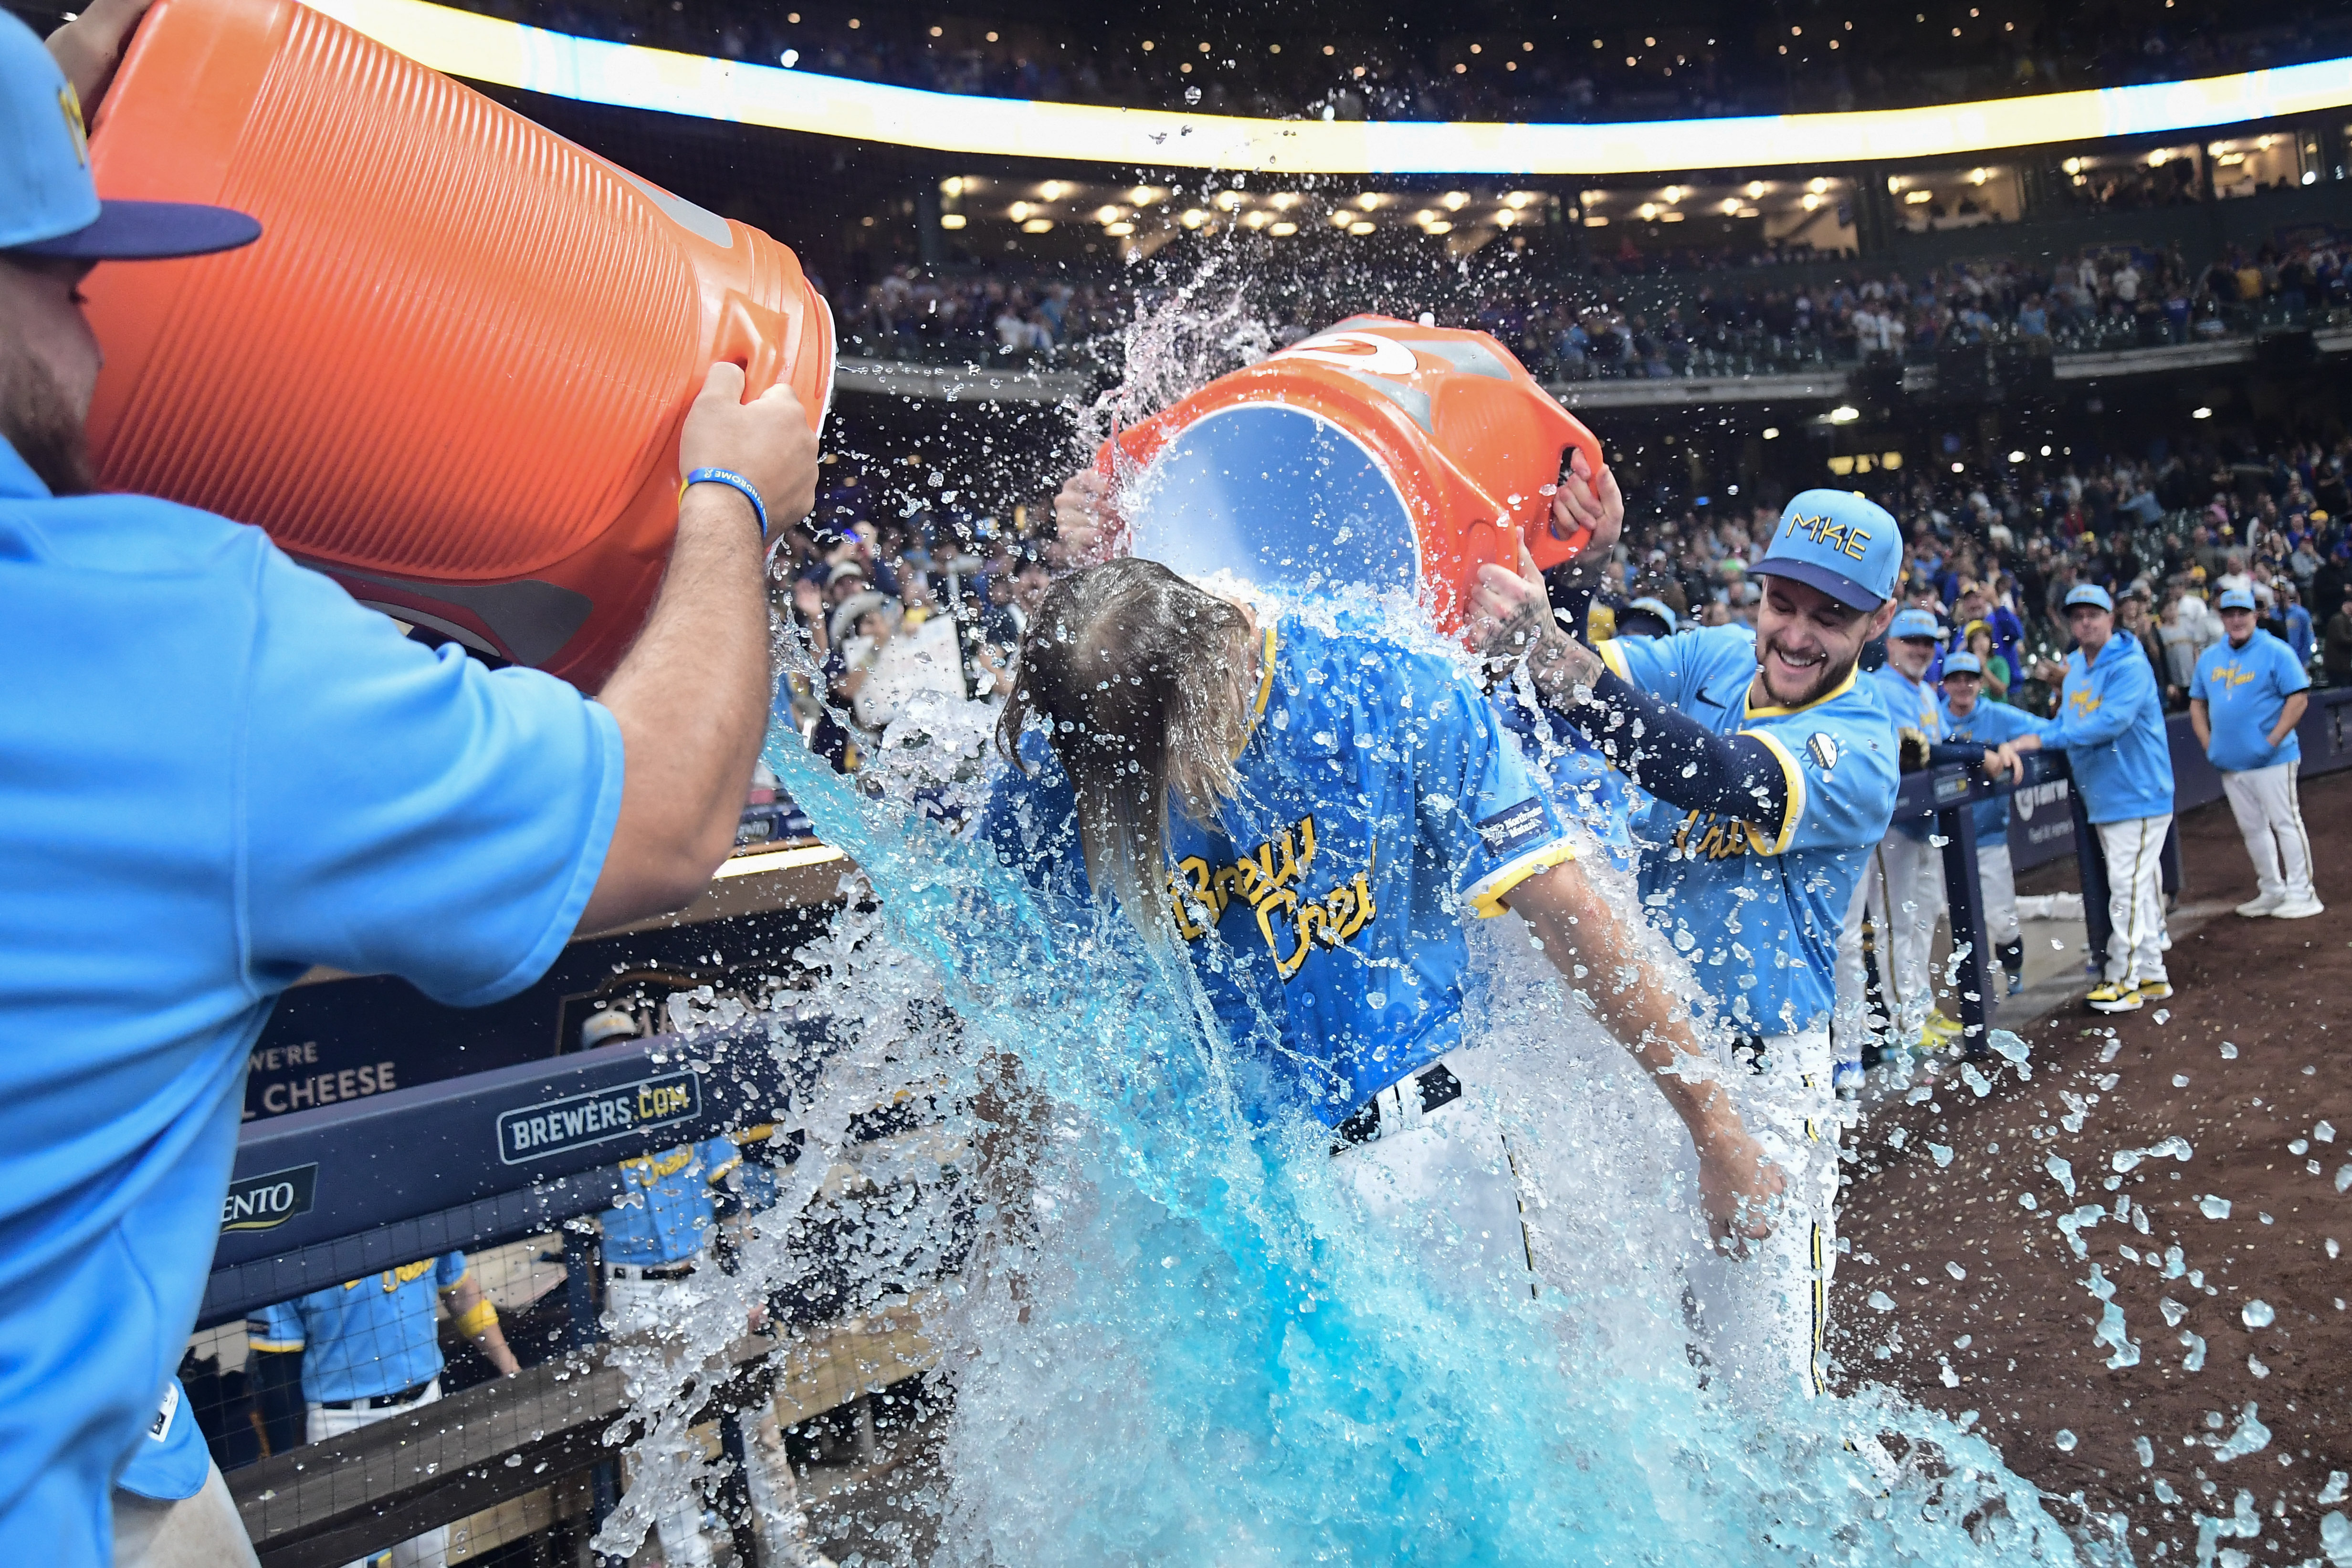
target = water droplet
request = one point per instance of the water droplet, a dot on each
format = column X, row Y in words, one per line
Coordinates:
column 2258, row 1314
column 2066, row 1441
column 2213, row 1207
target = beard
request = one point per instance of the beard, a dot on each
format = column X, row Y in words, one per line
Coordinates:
column 1829, row 674
column 43, row 424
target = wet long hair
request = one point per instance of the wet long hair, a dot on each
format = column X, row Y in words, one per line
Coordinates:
column 1137, row 677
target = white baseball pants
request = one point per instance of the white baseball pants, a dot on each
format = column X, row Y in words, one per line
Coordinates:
column 2136, row 940
column 2270, row 815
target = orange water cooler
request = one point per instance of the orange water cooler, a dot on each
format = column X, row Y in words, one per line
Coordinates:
column 451, row 372
column 1378, row 454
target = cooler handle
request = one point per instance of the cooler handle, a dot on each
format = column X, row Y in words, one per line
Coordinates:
column 751, row 336
column 1548, row 547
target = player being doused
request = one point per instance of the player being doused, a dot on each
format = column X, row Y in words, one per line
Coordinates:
column 1308, row 814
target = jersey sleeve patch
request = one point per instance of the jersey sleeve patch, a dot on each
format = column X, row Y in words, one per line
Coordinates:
column 1823, row 748
column 1514, row 829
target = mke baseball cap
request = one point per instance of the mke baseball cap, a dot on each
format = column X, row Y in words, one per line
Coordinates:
column 2089, row 593
column 2234, row 599
column 1838, row 543
column 48, row 206
column 1962, row 664
column 1915, row 623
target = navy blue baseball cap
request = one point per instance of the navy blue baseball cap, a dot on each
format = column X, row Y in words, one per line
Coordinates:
column 48, row 204
column 1835, row 541
column 2235, row 599
column 1962, row 664
column 2089, row 593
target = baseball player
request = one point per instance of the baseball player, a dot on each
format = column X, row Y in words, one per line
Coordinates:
column 371, row 1350
column 2247, row 695
column 1772, row 773
column 1902, row 891
column 2111, row 723
column 1969, row 716
column 656, row 1236
column 1330, row 803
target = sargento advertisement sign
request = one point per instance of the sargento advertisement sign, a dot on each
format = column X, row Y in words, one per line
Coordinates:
column 267, row 1201
column 535, row 1132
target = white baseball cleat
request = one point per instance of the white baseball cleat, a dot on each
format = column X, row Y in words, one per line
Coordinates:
column 2297, row 909
column 2259, row 906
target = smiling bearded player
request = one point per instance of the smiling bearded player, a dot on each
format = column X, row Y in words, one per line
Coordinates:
column 1772, row 775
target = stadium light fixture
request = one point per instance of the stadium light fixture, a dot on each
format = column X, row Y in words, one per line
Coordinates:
column 508, row 54
column 1194, row 218
column 1361, row 228
column 1455, row 200
column 951, row 220
column 1283, row 229
column 1118, row 230
column 1440, row 227
column 1038, row 227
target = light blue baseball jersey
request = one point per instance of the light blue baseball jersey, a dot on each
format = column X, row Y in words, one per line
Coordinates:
column 2110, row 723
column 1758, row 913
column 216, row 770
column 665, row 1211
column 1991, row 723
column 169, row 1462
column 2244, row 691
column 1380, row 799
column 367, row 1337
column 1910, row 705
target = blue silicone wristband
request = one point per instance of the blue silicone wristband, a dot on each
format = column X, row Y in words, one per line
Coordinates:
column 734, row 480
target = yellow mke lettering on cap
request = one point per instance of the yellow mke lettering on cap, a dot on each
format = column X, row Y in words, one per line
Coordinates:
column 69, row 105
column 1857, row 542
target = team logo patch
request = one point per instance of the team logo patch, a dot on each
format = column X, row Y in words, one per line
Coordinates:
column 1514, row 828
column 1822, row 749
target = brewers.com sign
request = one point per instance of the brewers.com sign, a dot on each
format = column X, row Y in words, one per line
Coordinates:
column 536, row 1131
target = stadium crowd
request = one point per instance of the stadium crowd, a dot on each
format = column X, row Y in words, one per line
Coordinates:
column 2123, row 298
column 1456, row 69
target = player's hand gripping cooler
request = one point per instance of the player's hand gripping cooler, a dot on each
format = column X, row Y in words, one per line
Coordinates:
column 1378, row 453
column 451, row 372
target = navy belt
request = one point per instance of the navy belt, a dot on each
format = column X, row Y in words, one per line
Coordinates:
column 408, row 1395
column 1438, row 1086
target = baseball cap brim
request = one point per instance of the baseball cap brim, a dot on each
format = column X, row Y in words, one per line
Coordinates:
column 151, row 231
column 1842, row 589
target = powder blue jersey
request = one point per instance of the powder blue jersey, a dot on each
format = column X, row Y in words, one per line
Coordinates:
column 1380, row 799
column 367, row 1337
column 1990, row 724
column 1758, row 913
column 169, row 1463
column 664, row 1210
column 1910, row 705
column 2244, row 691
column 2111, row 724
column 216, row 770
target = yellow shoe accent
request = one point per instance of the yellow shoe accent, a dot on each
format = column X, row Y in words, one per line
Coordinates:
column 2155, row 990
column 2116, row 997
column 1939, row 1030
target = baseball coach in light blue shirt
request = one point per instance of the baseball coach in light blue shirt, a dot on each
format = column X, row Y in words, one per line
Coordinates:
column 337, row 794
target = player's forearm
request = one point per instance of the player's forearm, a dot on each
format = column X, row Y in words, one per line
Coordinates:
column 477, row 1320
column 1580, row 931
column 691, row 698
column 1671, row 754
column 2198, row 722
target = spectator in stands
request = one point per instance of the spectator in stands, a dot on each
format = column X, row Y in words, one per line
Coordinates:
column 2248, row 695
column 2335, row 654
column 371, row 1350
column 1994, row 670
column 2111, row 723
column 2298, row 638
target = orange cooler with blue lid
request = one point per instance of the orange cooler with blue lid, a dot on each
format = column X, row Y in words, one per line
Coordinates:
column 451, row 371
column 1378, row 454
